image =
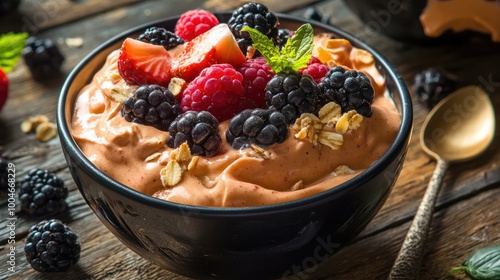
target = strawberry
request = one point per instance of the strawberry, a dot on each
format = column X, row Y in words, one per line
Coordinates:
column 216, row 46
column 142, row 63
column 4, row 88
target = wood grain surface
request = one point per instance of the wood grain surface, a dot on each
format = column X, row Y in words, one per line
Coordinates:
column 466, row 212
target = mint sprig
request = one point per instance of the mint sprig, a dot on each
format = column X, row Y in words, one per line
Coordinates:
column 483, row 264
column 293, row 56
column 11, row 47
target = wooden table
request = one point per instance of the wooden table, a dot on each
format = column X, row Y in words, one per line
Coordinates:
column 467, row 210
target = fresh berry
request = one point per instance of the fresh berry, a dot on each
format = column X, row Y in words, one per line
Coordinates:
column 313, row 60
column 43, row 57
column 42, row 192
column 350, row 89
column 283, row 36
column 151, row 105
column 256, row 16
column 4, row 174
column 256, row 74
column 51, row 246
column 293, row 95
column 193, row 23
column 8, row 6
column 215, row 46
column 160, row 36
column 199, row 130
column 261, row 127
column 316, row 70
column 141, row 63
column 219, row 90
column 4, row 88
column 432, row 86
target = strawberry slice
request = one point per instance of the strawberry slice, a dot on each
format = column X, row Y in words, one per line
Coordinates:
column 216, row 46
column 142, row 63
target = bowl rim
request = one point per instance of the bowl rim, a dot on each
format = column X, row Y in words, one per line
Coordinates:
column 401, row 140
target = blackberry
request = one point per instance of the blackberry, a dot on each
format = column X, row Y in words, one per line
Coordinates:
column 160, row 36
column 151, row 105
column 432, row 86
column 256, row 16
column 43, row 57
column 4, row 174
column 42, row 192
column 8, row 6
column 283, row 36
column 51, row 246
column 199, row 129
column 262, row 127
column 350, row 89
column 292, row 95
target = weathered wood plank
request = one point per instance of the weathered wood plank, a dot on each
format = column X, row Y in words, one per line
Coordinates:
column 104, row 257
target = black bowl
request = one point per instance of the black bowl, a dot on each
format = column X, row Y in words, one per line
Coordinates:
column 236, row 243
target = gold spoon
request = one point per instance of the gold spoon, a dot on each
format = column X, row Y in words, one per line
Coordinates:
column 458, row 128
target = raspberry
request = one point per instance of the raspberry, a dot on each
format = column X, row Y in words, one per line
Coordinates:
column 193, row 23
column 219, row 90
column 262, row 127
column 256, row 74
column 160, row 36
column 432, row 86
column 42, row 192
column 350, row 89
column 200, row 130
column 313, row 60
column 316, row 70
column 51, row 246
column 151, row 105
column 292, row 95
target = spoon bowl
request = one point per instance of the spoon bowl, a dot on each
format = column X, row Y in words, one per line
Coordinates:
column 459, row 128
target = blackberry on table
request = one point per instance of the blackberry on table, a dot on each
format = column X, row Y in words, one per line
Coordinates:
column 8, row 6
column 350, row 89
column 256, row 16
column 432, row 86
column 160, row 36
column 4, row 175
column 292, row 94
column 42, row 192
column 51, row 246
column 43, row 57
column 262, row 127
column 151, row 105
column 200, row 130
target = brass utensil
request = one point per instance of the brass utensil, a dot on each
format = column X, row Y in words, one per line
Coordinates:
column 457, row 129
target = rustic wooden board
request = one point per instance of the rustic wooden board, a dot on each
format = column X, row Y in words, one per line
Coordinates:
column 466, row 216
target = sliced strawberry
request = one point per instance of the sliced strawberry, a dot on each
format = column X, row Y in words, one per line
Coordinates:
column 216, row 46
column 4, row 87
column 142, row 63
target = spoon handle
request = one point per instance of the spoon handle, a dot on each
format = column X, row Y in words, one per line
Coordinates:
column 409, row 259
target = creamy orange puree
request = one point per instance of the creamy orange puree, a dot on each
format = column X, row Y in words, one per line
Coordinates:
column 459, row 15
column 233, row 178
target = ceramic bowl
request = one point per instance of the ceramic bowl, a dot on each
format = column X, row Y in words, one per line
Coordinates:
column 234, row 243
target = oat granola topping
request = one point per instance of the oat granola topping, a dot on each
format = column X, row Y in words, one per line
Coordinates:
column 171, row 174
column 259, row 152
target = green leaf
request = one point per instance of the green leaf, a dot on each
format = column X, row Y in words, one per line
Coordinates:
column 263, row 43
column 295, row 54
column 483, row 264
column 11, row 47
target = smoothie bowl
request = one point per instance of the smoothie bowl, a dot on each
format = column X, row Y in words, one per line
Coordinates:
column 256, row 206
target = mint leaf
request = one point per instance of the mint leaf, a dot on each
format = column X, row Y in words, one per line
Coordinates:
column 298, row 49
column 11, row 47
column 483, row 264
column 295, row 54
column 263, row 43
